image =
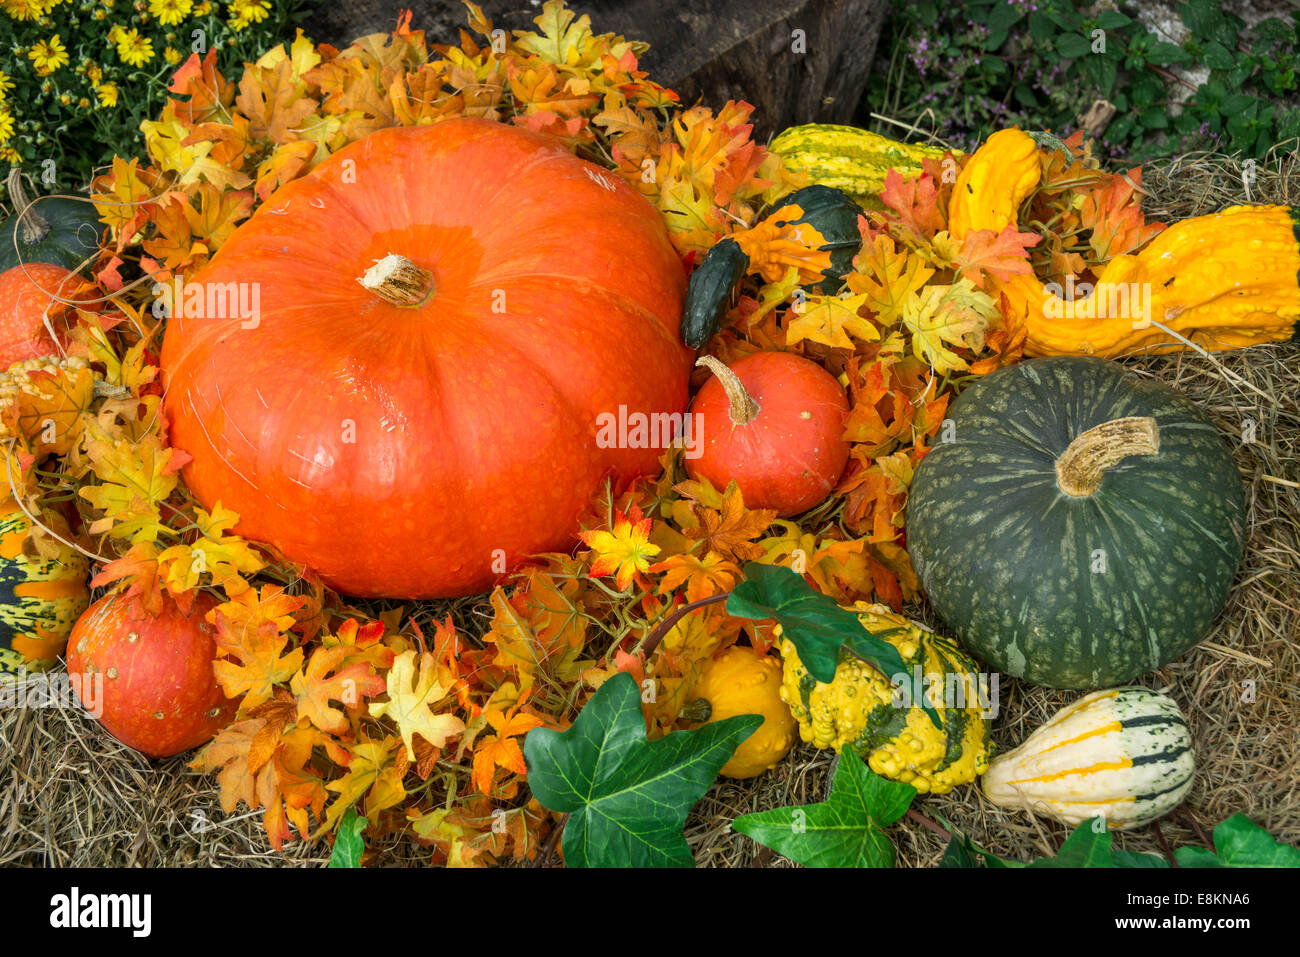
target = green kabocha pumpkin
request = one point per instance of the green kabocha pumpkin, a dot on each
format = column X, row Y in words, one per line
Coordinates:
column 741, row 681
column 1124, row 754
column 1083, row 525
column 40, row 597
column 883, row 721
column 827, row 214
column 60, row 231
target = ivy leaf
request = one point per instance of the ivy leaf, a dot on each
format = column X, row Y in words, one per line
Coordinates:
column 1089, row 846
column 348, row 846
column 814, row 623
column 627, row 797
column 845, row 830
column 1240, row 842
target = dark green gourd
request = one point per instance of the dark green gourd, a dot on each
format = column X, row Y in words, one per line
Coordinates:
column 1082, row 527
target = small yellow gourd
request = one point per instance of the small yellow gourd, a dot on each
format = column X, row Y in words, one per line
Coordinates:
column 993, row 183
column 741, row 681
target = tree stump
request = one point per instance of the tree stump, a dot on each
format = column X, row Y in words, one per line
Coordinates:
column 796, row 61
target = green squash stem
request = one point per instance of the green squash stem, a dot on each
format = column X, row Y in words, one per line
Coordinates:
column 35, row 227
column 397, row 280
column 743, row 407
column 698, row 711
column 1082, row 466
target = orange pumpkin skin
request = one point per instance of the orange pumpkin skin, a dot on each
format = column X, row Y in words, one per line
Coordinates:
column 25, row 293
column 154, row 674
column 419, row 451
column 792, row 453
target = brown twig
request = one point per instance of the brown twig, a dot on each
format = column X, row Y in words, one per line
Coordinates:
column 1200, row 834
column 652, row 640
column 552, row 839
column 928, row 823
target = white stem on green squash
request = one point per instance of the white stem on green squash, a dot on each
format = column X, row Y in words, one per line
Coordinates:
column 743, row 407
column 35, row 227
column 397, row 280
column 1082, row 466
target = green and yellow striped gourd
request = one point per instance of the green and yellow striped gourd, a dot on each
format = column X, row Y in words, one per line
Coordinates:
column 849, row 159
column 40, row 598
column 1124, row 754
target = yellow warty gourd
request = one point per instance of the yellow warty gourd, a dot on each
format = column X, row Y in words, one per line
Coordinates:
column 863, row 710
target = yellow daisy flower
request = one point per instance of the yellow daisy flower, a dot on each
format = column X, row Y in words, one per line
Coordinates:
column 48, row 55
column 10, row 154
column 6, row 126
column 172, row 55
column 6, row 85
column 133, row 48
column 107, row 93
column 171, row 12
column 246, row 12
column 94, row 73
column 24, row 9
column 203, row 9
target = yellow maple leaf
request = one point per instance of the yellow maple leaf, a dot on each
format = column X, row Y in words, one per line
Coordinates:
column 624, row 549
column 413, row 699
column 888, row 278
column 217, row 553
column 260, row 660
column 830, row 320
column 375, row 772
column 939, row 316
column 136, row 476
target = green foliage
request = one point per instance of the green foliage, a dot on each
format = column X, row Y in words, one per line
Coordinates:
column 86, row 104
column 627, row 797
column 968, row 69
column 1238, row 842
column 845, row 830
column 348, row 845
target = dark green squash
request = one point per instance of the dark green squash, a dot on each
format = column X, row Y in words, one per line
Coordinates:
column 60, row 231
column 1082, row 527
column 830, row 211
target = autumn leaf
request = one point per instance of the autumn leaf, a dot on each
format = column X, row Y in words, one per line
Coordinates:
column 261, row 661
column 501, row 749
column 624, row 550
column 324, row 681
column 985, row 255
column 940, row 316
column 273, row 100
column 138, row 570
column 136, row 476
column 911, row 207
column 830, row 320
column 887, row 278
column 413, row 697
column 374, row 772
column 730, row 531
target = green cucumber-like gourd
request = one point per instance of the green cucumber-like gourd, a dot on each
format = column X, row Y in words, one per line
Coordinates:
column 1082, row 527
column 849, row 159
column 829, row 211
column 40, row 598
column 1124, row 754
column 60, row 231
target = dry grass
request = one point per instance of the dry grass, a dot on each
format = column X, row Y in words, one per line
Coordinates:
column 70, row 795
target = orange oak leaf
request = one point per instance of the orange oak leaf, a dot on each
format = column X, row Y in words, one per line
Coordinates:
column 325, row 680
column 261, row 661
column 624, row 550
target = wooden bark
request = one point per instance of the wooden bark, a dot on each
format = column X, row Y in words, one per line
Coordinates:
column 796, row 61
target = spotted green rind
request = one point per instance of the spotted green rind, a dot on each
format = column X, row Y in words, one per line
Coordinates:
column 40, row 598
column 69, row 232
column 1075, row 592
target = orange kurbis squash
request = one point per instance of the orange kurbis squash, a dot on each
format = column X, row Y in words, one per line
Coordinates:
column 424, row 343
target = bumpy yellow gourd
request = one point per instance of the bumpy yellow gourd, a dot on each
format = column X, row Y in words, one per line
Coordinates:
column 993, row 183
column 741, row 681
column 865, row 711
column 1222, row 281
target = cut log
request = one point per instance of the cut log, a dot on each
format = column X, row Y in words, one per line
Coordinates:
column 796, row 61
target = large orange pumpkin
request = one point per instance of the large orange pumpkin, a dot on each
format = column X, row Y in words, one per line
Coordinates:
column 416, row 434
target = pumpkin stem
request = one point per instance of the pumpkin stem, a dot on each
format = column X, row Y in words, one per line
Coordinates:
column 743, row 406
column 698, row 711
column 35, row 227
column 1082, row 466
column 397, row 280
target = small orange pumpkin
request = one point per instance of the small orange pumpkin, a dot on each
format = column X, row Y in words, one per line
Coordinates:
column 773, row 422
